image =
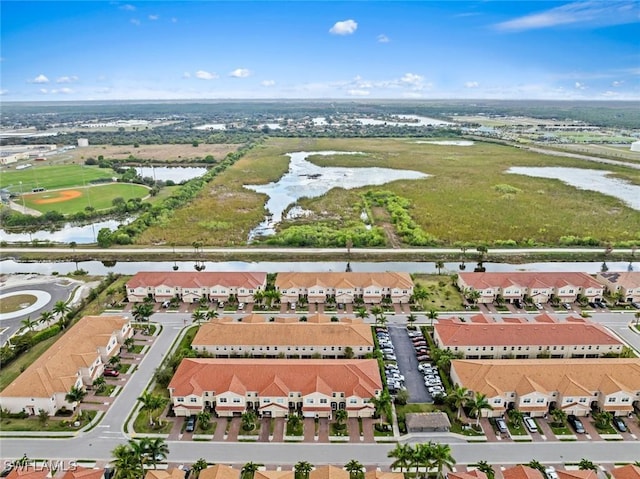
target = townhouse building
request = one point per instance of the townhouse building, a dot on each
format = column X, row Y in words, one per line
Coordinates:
column 626, row 283
column 76, row 359
column 190, row 287
column 525, row 340
column 275, row 387
column 536, row 386
column 219, row 471
column 630, row 471
column 522, row 472
column 540, row 287
column 256, row 336
column 344, row 288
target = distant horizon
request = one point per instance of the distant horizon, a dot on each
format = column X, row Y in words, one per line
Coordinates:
column 203, row 50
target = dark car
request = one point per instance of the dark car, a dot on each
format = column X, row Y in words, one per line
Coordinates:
column 576, row 424
column 113, row 373
column 191, row 424
column 619, row 424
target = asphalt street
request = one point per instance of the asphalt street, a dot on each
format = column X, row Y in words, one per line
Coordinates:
column 98, row 443
column 408, row 365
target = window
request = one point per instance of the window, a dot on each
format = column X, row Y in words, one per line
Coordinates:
column 611, row 399
column 236, row 400
column 568, row 400
column 309, row 401
column 497, row 401
column 353, row 401
column 583, row 400
column 540, row 400
column 323, row 400
column 526, row 401
column 222, row 400
column 625, row 399
column 179, row 399
column 193, row 399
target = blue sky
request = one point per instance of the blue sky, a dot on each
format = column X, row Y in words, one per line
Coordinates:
column 94, row 50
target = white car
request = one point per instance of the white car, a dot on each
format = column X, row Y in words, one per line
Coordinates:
column 240, row 306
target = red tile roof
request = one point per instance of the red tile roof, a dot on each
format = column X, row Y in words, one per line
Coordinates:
column 475, row 474
column 630, row 471
column 522, row 472
column 28, row 472
column 528, row 279
column 354, row 377
column 80, row 472
column 195, row 279
column 457, row 333
column 343, row 280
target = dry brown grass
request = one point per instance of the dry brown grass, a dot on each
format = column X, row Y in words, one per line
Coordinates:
column 169, row 153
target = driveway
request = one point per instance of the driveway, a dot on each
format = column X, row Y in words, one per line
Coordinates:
column 408, row 365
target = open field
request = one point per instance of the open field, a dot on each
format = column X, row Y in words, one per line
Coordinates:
column 614, row 152
column 51, row 176
column 72, row 200
column 465, row 200
column 160, row 153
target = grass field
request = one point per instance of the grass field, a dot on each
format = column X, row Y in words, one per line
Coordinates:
column 162, row 153
column 459, row 203
column 51, row 177
column 70, row 201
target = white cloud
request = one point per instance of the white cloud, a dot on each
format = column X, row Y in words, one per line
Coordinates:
column 39, row 79
column 579, row 86
column 412, row 79
column 3, row 92
column 617, row 83
column 345, row 27
column 44, row 91
column 582, row 13
column 471, row 84
column 240, row 73
column 67, row 79
column 356, row 92
column 154, row 17
column 135, row 21
column 382, row 38
column 64, row 91
column 128, row 8
column 204, row 75
column 186, row 75
column 267, row 82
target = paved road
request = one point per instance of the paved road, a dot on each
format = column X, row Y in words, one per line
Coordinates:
column 408, row 364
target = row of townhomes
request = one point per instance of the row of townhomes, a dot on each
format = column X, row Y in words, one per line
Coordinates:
column 630, row 471
column 483, row 337
column 275, row 387
column 284, row 337
column 535, row 386
column 191, row 286
column 627, row 283
column 344, row 288
column 541, row 287
column 74, row 360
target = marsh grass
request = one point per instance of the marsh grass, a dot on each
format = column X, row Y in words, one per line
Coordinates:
column 459, row 203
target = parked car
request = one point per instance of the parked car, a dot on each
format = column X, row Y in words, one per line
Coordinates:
column 166, row 304
column 501, row 425
column 423, row 357
column 240, row 306
column 551, row 473
column 530, row 424
column 576, row 424
column 566, row 306
column 619, row 424
column 110, row 372
column 191, row 424
column 635, row 305
column 539, row 306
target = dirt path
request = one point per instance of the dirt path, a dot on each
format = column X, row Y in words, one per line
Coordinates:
column 23, row 209
column 382, row 219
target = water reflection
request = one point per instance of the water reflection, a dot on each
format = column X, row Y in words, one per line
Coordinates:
column 306, row 180
column 81, row 234
column 177, row 174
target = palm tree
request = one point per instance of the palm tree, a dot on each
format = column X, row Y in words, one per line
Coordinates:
column 99, row 384
column 412, row 318
column 142, row 312
column 341, row 417
column 302, row 469
column 129, row 343
column 75, row 395
column 362, row 313
column 484, row 466
column 637, row 316
column 402, row 455
column 28, row 323
column 126, row 462
column 535, row 464
column 61, row 308
column 559, row 416
column 248, row 419
column 439, row 266
column 45, row 317
column 155, row 449
column 458, row 397
column 516, row 416
column 477, row 404
column 211, row 314
column 441, row 457
column 198, row 316
column 432, row 315
column 587, row 465
column 199, row 465
column 150, row 403
column 382, row 404
column 203, row 418
column 354, row 468
column 249, row 469
column 139, row 449
column 258, row 296
column 602, row 419
column 422, row 456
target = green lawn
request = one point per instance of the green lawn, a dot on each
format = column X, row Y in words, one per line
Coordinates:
column 99, row 197
column 443, row 296
column 141, row 425
column 33, row 423
column 52, row 177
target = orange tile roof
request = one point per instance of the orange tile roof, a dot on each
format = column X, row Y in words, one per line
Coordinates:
column 630, row 471
column 55, row 371
column 80, row 472
column 522, row 472
column 343, row 280
column 328, row 472
column 198, row 279
column 625, row 279
column 274, row 475
column 173, row 473
column 219, row 471
column 282, row 334
column 493, row 376
column 28, row 472
column 475, row 474
column 576, row 474
column 376, row 474
column 528, row 279
column 545, row 318
column 354, row 377
column 457, row 333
